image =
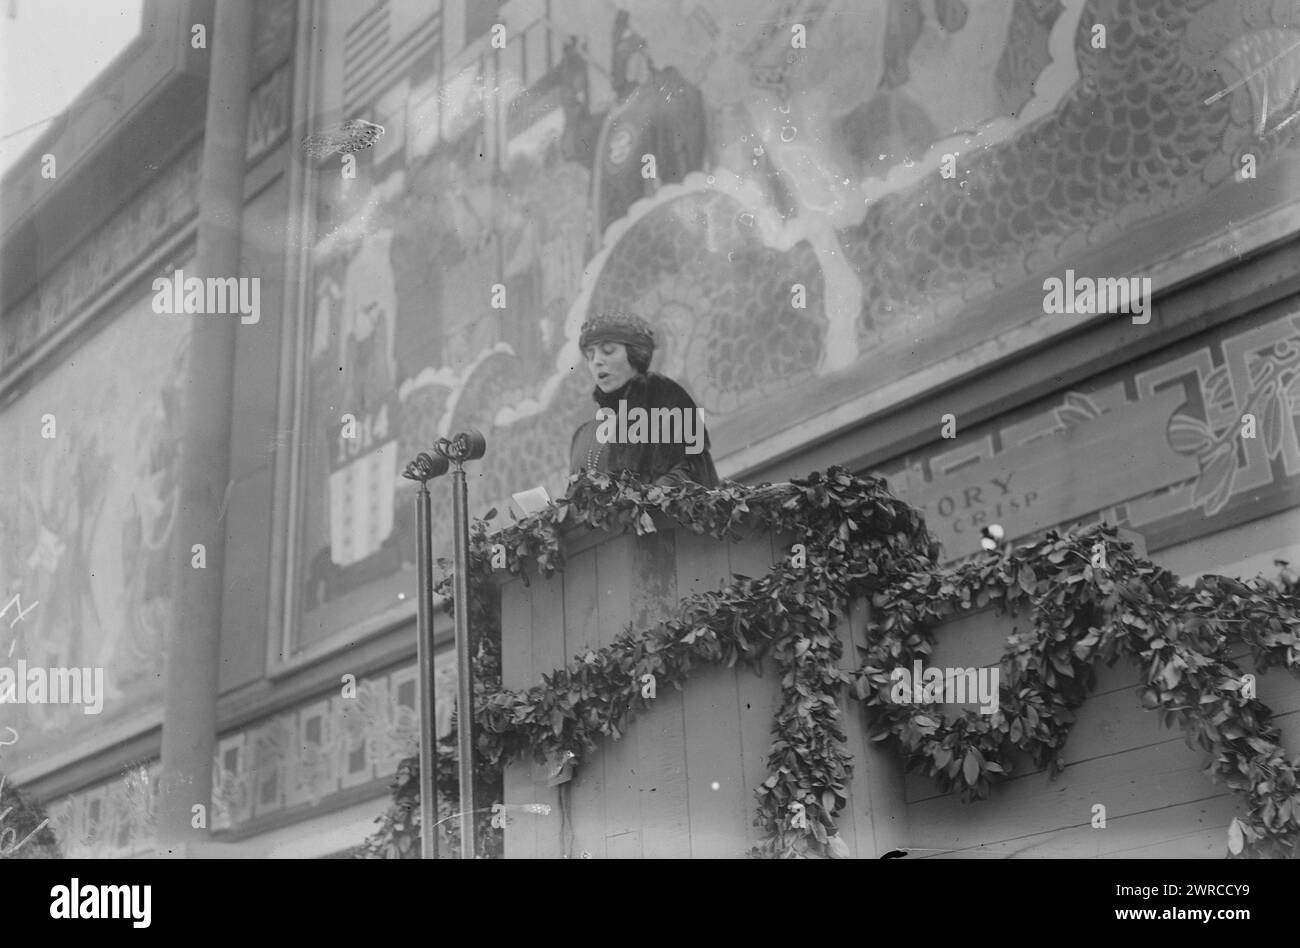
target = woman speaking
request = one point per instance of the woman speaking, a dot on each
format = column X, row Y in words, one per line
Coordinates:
column 645, row 423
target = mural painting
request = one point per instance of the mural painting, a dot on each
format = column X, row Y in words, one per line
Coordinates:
column 86, row 523
column 773, row 167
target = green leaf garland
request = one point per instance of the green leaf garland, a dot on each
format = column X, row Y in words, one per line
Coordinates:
column 863, row 543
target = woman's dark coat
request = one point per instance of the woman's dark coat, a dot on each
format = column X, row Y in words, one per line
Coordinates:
column 652, row 463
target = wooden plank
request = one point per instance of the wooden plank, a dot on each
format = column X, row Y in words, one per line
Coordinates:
column 581, row 633
column 877, row 789
column 703, row 564
column 1195, row 830
column 1117, row 722
column 1192, row 831
column 1289, row 725
column 1113, row 721
column 1126, row 674
column 974, row 639
column 548, row 655
column 719, row 799
column 854, row 821
column 614, row 580
column 1132, row 782
column 581, row 618
column 516, row 671
column 758, row 698
column 1184, row 831
column 661, row 741
column 782, row 544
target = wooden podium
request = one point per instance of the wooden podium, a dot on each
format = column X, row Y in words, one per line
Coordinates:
column 680, row 783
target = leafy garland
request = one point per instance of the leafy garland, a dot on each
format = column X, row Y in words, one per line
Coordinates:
column 398, row 836
column 1180, row 636
column 862, row 542
column 852, row 528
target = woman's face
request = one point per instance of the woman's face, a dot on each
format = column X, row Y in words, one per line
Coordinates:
column 608, row 365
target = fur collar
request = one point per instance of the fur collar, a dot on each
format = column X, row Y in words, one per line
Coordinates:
column 648, row 390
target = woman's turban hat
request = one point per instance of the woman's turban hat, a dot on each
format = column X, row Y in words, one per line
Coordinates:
column 617, row 326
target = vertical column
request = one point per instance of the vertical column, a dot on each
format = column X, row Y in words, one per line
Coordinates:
column 190, row 689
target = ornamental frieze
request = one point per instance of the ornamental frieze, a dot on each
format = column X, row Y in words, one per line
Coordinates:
column 127, row 237
column 295, row 759
column 1181, row 439
column 799, row 225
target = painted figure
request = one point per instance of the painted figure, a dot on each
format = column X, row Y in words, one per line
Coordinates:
column 657, row 113
column 366, row 346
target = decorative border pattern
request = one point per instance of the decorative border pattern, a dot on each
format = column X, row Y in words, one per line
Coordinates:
column 1253, row 370
column 130, row 236
column 299, row 757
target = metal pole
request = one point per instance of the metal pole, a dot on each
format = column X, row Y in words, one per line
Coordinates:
column 464, row 680
column 465, row 446
column 428, row 699
column 422, row 469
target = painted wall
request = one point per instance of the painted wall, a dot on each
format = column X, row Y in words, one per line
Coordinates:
column 286, row 765
column 515, row 175
column 774, row 167
column 86, row 523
